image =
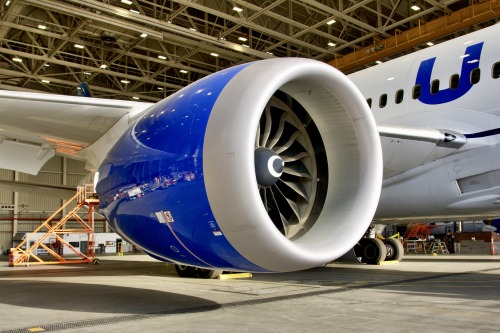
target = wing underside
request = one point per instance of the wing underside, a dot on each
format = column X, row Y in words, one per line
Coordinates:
column 34, row 127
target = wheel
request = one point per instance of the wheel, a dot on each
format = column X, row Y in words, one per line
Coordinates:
column 394, row 248
column 186, row 271
column 208, row 273
column 373, row 251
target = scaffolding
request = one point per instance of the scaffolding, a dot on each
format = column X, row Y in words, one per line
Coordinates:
column 85, row 199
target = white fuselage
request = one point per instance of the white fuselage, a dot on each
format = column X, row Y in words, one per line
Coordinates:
column 443, row 184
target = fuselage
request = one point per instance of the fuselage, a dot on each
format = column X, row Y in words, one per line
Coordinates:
column 450, row 86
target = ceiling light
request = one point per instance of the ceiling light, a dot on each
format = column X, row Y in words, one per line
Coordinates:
column 144, row 35
column 192, row 29
column 243, row 39
column 79, row 46
column 415, row 8
column 127, row 2
column 331, row 22
column 103, row 66
column 134, row 11
column 135, row 97
column 42, row 26
column 183, row 71
column 87, row 73
column 213, row 54
column 390, row 78
column 237, row 9
column 17, row 59
column 160, row 88
column 7, row 3
column 331, row 44
column 45, row 81
column 46, row 65
column 162, row 57
column 378, row 62
column 430, row 43
column 125, row 81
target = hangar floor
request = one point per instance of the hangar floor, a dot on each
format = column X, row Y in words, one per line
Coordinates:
column 133, row 293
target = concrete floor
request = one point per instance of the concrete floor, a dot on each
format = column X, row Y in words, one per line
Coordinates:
column 133, row 293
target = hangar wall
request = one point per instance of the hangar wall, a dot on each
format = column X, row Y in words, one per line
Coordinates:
column 30, row 210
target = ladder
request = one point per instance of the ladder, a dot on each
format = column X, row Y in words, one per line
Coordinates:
column 85, row 198
column 439, row 245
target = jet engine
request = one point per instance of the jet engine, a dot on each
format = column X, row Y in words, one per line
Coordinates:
column 270, row 166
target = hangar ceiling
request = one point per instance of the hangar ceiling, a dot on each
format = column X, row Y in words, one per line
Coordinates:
column 135, row 49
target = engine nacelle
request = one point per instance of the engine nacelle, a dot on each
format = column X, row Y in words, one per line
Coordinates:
column 270, row 166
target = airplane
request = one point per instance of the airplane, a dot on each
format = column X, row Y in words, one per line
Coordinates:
column 281, row 164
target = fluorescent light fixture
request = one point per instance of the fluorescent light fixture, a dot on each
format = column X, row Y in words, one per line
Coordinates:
column 103, row 66
column 245, row 45
column 144, row 35
column 42, row 26
column 213, row 54
column 127, row 2
column 430, row 43
column 162, row 57
column 415, row 8
column 237, row 9
column 160, row 88
column 46, row 65
column 125, row 81
column 331, row 44
column 390, row 78
column 135, row 97
column 17, row 59
column 243, row 39
column 87, row 73
column 45, row 81
column 79, row 46
column 183, row 71
column 331, row 22
column 134, row 11
column 192, row 29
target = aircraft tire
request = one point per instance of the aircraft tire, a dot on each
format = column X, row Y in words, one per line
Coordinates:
column 186, row 271
column 373, row 251
column 208, row 273
column 394, row 249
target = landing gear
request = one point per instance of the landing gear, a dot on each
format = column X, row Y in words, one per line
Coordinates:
column 372, row 251
column 192, row 272
column 394, row 249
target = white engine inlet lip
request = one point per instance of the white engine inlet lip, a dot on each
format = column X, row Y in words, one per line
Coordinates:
column 228, row 164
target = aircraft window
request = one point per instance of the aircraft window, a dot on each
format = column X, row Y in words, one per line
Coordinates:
column 496, row 71
column 454, row 79
column 475, row 75
column 434, row 87
column 383, row 101
column 416, row 91
column 369, row 101
column 399, row 96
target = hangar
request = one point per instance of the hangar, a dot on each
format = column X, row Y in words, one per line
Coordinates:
column 148, row 50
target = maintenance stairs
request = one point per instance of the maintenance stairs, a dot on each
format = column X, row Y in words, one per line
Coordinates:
column 53, row 229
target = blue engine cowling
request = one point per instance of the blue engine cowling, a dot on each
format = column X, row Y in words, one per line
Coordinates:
column 181, row 183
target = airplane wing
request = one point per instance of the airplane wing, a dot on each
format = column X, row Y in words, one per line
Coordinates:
column 34, row 127
column 407, row 147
